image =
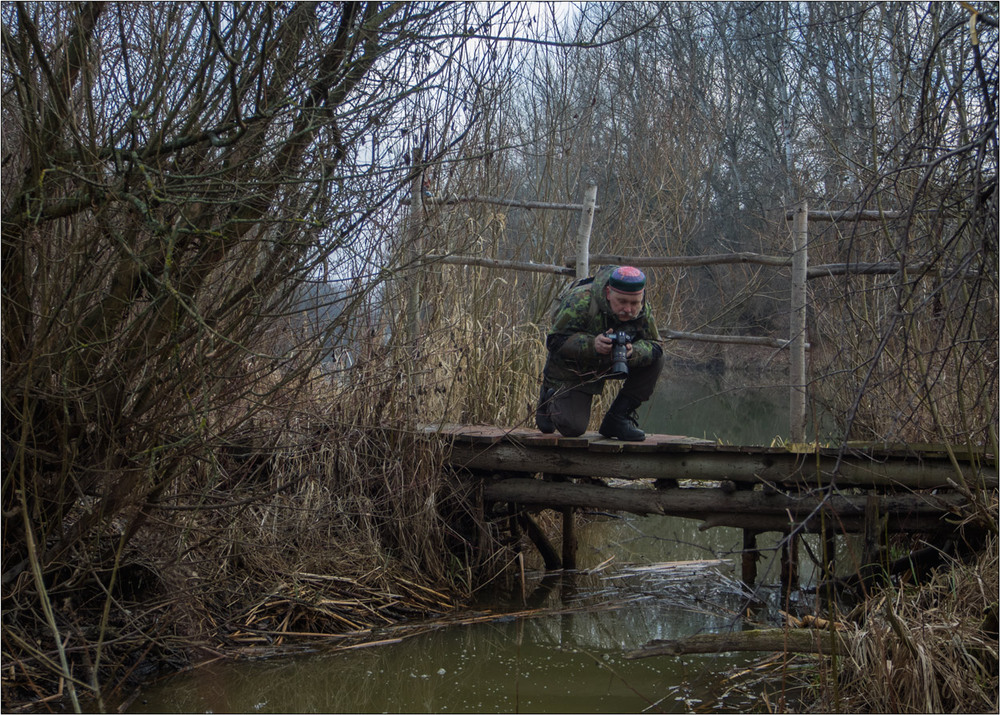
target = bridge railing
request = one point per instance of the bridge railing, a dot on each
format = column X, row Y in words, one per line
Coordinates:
column 797, row 261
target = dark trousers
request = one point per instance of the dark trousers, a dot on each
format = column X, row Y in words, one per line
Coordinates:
column 569, row 408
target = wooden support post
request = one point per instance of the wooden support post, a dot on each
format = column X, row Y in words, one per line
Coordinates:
column 568, row 538
column 797, row 328
column 514, row 525
column 873, row 527
column 829, row 550
column 873, row 561
column 789, row 567
column 750, row 557
column 583, row 233
column 549, row 554
column 825, row 591
column 415, row 230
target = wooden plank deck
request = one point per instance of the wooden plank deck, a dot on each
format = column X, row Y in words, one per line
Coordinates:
column 490, row 435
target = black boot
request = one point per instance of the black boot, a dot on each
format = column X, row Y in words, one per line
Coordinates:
column 621, row 421
column 542, row 418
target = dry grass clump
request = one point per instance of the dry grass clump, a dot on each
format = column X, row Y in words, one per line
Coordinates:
column 485, row 355
column 926, row 649
column 298, row 500
column 353, row 520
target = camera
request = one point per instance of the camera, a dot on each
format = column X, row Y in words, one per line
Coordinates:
column 619, row 355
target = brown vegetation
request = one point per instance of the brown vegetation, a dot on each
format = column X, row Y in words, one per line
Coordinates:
column 330, row 524
column 926, row 648
column 221, row 332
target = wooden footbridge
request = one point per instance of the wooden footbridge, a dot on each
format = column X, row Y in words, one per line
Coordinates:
column 867, row 489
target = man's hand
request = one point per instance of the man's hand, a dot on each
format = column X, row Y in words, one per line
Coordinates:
column 602, row 344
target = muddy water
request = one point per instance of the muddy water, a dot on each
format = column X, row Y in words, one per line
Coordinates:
column 641, row 578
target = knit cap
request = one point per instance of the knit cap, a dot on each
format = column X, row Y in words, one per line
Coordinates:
column 627, row 279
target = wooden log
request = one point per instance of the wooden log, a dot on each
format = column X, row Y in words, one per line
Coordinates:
column 854, row 215
column 568, row 538
column 527, row 266
column 690, row 261
column 887, row 268
column 779, row 640
column 765, row 341
column 743, row 509
column 781, row 468
column 798, row 374
column 549, row 554
column 497, row 201
column 750, row 557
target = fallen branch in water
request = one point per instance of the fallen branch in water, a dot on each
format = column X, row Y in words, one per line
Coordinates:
column 792, row 640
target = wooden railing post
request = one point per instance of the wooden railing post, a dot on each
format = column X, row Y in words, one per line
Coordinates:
column 797, row 328
column 415, row 228
column 582, row 271
column 583, row 232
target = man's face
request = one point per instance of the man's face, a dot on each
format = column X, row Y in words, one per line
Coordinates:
column 625, row 306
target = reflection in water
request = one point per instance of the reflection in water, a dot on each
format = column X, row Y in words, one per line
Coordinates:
column 569, row 662
column 572, row 659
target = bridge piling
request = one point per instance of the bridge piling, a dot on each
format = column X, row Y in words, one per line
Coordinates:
column 789, row 567
column 828, row 554
column 550, row 557
column 568, row 538
column 750, row 556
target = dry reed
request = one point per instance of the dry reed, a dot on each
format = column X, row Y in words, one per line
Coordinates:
column 911, row 649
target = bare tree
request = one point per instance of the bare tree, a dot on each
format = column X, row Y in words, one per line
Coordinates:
column 924, row 345
column 176, row 176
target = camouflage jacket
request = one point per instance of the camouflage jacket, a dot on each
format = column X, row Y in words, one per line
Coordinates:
column 582, row 314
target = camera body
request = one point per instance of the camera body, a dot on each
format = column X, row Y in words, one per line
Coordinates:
column 619, row 354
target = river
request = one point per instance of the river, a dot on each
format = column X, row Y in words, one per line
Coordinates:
column 641, row 578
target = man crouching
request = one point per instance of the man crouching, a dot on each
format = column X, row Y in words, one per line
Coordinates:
column 588, row 325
